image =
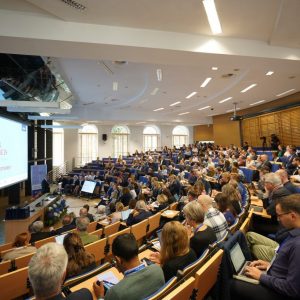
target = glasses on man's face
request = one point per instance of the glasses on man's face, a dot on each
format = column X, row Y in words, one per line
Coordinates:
column 280, row 215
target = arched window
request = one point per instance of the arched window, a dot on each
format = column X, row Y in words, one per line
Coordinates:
column 180, row 136
column 120, row 137
column 88, row 143
column 58, row 146
column 150, row 138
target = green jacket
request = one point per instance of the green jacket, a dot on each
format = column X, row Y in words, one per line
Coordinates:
column 88, row 238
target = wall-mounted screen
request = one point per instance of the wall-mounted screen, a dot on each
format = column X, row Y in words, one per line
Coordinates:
column 13, row 152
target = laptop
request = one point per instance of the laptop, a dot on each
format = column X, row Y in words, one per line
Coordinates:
column 239, row 264
column 256, row 208
column 157, row 244
column 125, row 214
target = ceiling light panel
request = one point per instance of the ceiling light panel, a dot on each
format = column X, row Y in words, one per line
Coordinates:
column 284, row 93
column 214, row 68
column 205, row 82
column 184, row 113
column 115, row 86
column 248, row 88
column 257, row 102
column 158, row 109
column 205, row 107
column 226, row 99
column 269, row 73
column 191, row 95
column 175, row 103
column 159, row 74
column 212, row 16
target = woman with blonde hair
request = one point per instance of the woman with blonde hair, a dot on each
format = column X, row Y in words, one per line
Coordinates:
column 175, row 253
column 79, row 261
column 21, row 247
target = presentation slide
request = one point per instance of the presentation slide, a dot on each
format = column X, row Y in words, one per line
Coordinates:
column 88, row 187
column 13, row 152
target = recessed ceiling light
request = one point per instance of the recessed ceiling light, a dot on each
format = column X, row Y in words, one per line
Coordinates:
column 159, row 74
column 115, row 86
column 140, row 123
column 205, row 107
column 224, row 100
column 212, row 16
column 269, row 73
column 190, row 95
column 184, row 113
column 261, row 101
column 158, row 109
column 154, row 92
column 214, row 68
column 205, row 82
column 286, row 92
column 175, row 103
column 248, row 88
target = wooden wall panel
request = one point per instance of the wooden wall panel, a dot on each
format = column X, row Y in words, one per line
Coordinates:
column 285, row 124
column 203, row 133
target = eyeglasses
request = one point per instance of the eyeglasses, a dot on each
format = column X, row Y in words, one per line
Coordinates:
column 286, row 213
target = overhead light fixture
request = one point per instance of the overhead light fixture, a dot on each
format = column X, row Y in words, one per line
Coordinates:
column 184, row 113
column 158, row 109
column 248, row 88
column 13, row 103
column 140, row 123
column 205, row 82
column 205, row 107
column 54, row 117
column 224, row 100
column 115, row 86
column 44, row 115
column 269, row 73
column 281, row 94
column 190, row 95
column 175, row 103
column 39, row 110
column 212, row 16
column 261, row 101
column 61, row 126
column 159, row 74
column 214, row 68
column 154, row 92
column 74, row 4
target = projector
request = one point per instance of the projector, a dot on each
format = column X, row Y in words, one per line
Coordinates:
column 236, row 118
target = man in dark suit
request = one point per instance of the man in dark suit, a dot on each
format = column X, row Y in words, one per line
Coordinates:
column 67, row 225
column 45, row 185
column 290, row 166
column 265, row 161
column 47, row 271
column 37, row 232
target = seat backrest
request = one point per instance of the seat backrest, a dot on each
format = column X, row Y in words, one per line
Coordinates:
column 234, row 226
column 246, row 224
column 6, row 246
column 14, row 284
column 92, row 226
column 173, row 206
column 5, row 266
column 139, row 230
column 111, row 229
column 154, row 222
column 23, row 261
column 206, row 276
column 112, row 237
column 183, row 291
column 98, row 232
column 196, row 264
column 97, row 249
column 40, row 243
column 163, row 290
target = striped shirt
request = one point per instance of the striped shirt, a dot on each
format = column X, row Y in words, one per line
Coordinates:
column 216, row 220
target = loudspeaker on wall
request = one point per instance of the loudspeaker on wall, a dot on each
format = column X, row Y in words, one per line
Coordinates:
column 104, row 136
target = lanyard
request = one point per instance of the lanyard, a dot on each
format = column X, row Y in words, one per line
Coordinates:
column 134, row 270
column 197, row 228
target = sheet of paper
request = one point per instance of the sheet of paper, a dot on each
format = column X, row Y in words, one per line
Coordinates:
column 108, row 276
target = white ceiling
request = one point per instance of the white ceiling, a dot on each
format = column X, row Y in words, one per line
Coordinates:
column 171, row 35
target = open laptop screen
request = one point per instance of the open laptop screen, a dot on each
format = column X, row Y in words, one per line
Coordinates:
column 237, row 257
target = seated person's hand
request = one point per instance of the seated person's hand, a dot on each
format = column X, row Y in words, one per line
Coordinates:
column 98, row 289
column 253, row 272
column 155, row 257
column 260, row 264
column 135, row 213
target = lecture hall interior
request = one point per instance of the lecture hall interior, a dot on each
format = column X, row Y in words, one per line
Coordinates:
column 119, row 113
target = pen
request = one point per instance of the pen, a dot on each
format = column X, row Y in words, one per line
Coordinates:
column 108, row 282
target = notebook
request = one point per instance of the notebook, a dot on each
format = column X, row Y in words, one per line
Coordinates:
column 256, row 208
column 109, row 279
column 125, row 214
column 239, row 264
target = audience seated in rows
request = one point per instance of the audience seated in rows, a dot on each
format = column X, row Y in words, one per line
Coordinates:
column 225, row 206
column 67, row 225
column 139, row 214
column 84, row 212
column 37, row 232
column 20, row 247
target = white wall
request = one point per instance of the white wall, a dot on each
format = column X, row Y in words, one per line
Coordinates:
column 105, row 149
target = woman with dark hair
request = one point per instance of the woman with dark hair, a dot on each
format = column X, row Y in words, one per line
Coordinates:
column 175, row 253
column 171, row 198
column 79, row 261
column 233, row 195
column 21, row 247
column 226, row 208
column 126, row 196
